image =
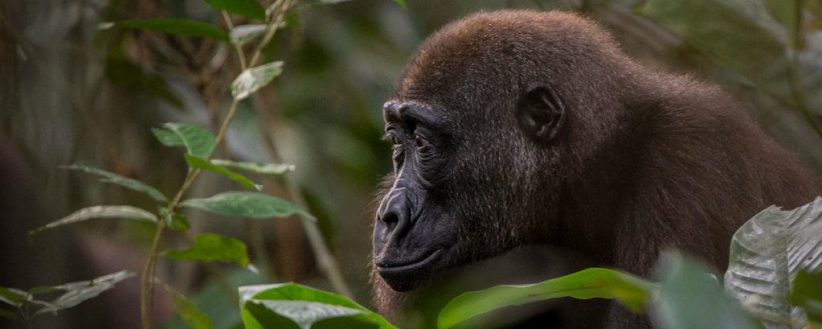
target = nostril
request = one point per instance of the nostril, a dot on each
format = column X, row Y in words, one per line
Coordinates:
column 390, row 220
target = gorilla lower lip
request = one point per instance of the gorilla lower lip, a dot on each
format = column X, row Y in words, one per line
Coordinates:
column 423, row 261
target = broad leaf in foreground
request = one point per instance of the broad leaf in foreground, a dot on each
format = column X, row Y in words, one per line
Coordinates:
column 200, row 163
column 121, row 212
column 198, row 141
column 266, row 306
column 251, row 80
column 691, row 297
column 247, row 204
column 213, row 247
column 589, row 283
column 807, row 294
column 767, row 253
column 78, row 292
column 257, row 168
column 183, row 27
column 126, row 182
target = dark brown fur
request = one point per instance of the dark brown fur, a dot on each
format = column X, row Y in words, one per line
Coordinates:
column 646, row 160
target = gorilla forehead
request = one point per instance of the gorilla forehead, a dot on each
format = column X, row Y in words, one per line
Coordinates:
column 493, row 57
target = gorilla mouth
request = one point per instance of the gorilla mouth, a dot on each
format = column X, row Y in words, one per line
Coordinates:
column 405, row 275
column 410, row 265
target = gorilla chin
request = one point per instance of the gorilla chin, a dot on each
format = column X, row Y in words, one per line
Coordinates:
column 408, row 274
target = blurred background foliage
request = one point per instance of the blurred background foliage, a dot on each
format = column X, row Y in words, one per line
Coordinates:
column 73, row 90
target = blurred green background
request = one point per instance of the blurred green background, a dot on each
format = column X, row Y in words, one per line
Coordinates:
column 72, row 91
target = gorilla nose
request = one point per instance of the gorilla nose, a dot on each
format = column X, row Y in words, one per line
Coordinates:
column 395, row 218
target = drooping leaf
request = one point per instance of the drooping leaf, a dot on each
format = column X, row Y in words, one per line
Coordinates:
column 807, row 294
column 631, row 291
column 12, row 297
column 78, row 292
column 247, row 204
column 126, row 182
column 192, row 316
column 200, row 163
column 242, row 34
column 198, row 141
column 303, row 306
column 122, row 212
column 251, row 80
column 211, row 248
column 175, row 221
column 767, row 253
column 257, row 168
column 177, row 26
column 691, row 297
column 245, row 8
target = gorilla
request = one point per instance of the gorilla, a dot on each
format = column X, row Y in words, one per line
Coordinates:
column 517, row 129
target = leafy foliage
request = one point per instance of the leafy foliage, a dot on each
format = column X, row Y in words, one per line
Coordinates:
column 198, row 141
column 213, row 247
column 254, row 78
column 200, row 163
column 126, row 182
column 122, row 212
column 246, row 204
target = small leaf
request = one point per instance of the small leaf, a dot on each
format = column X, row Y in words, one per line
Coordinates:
column 242, row 34
column 247, row 204
column 199, row 163
column 251, row 80
column 126, row 182
column 192, row 316
column 807, row 293
column 7, row 314
column 124, row 212
column 211, row 248
column 175, row 221
column 691, row 297
column 184, row 27
column 257, row 168
column 12, row 297
column 631, row 291
column 197, row 141
column 302, row 305
column 78, row 292
column 245, row 8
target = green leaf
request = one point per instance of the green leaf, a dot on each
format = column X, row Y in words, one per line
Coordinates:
column 691, row 297
column 200, row 163
column 251, row 80
column 124, row 212
column 78, row 292
column 192, row 316
column 245, row 8
column 213, row 248
column 183, row 27
column 257, row 168
column 242, row 34
column 198, row 141
column 807, row 294
column 631, row 291
column 126, row 182
column 175, row 221
column 401, row 3
column 12, row 297
column 246, row 204
column 7, row 314
column 767, row 252
column 303, row 306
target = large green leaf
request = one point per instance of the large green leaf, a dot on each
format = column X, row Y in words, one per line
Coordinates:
column 691, row 297
column 211, row 248
column 242, row 34
column 126, row 182
column 247, row 8
column 251, row 80
column 807, row 294
column 198, row 141
column 192, row 316
column 767, row 253
column 78, row 292
column 200, row 163
column 246, row 204
column 122, row 212
column 184, row 27
column 303, row 306
column 631, row 291
column 257, row 168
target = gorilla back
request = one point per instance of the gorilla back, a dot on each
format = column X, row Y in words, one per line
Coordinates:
column 520, row 128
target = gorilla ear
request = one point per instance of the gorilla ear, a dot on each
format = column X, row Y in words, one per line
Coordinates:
column 540, row 113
